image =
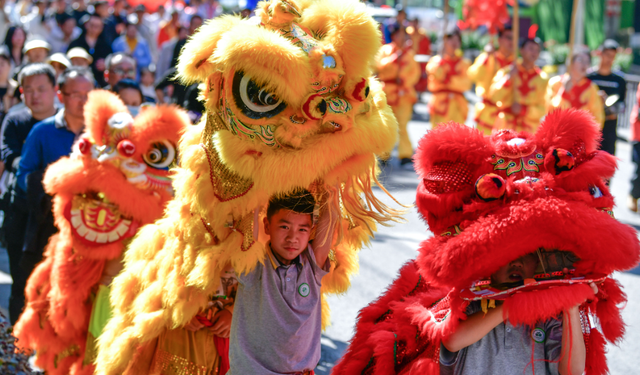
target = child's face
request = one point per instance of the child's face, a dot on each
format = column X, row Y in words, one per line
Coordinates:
column 130, row 97
column 289, row 232
column 147, row 78
column 518, row 270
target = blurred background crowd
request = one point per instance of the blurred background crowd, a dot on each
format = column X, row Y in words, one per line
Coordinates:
column 54, row 52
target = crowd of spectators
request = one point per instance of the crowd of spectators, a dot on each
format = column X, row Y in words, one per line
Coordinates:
column 54, row 52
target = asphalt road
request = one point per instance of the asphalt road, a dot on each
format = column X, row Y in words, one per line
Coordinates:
column 393, row 246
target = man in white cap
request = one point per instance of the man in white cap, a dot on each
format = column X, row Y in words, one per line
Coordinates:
column 79, row 57
column 59, row 62
column 37, row 50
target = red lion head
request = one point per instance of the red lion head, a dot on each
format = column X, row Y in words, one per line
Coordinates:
column 490, row 201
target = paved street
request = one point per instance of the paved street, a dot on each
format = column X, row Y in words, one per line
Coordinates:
column 393, row 246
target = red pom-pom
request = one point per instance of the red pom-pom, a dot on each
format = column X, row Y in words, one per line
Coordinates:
column 314, row 107
column 560, row 160
column 126, row 148
column 490, row 187
column 361, row 90
column 84, row 145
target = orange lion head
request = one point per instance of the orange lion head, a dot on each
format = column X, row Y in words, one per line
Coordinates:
column 118, row 176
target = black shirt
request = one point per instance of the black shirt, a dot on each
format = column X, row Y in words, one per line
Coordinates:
column 15, row 129
column 101, row 50
column 179, row 90
column 611, row 84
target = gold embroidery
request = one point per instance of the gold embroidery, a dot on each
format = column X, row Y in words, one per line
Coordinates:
column 69, row 351
column 171, row 364
column 227, row 185
column 91, row 350
column 245, row 226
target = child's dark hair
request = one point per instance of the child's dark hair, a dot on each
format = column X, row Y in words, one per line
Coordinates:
column 299, row 201
column 128, row 83
column 148, row 69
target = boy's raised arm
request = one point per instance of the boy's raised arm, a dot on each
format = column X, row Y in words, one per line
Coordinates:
column 473, row 329
column 572, row 339
column 329, row 218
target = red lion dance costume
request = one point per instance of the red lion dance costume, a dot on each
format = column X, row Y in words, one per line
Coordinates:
column 489, row 201
column 116, row 180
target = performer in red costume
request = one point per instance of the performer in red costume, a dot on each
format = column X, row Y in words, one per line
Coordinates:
column 490, row 202
column 575, row 90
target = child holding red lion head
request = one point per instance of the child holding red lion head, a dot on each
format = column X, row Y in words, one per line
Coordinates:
column 485, row 340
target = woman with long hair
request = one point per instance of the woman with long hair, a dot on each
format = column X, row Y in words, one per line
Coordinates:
column 14, row 41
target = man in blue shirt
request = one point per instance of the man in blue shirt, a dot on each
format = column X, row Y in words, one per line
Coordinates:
column 133, row 44
column 48, row 141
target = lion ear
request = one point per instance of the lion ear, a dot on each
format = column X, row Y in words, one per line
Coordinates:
column 194, row 63
column 101, row 106
column 569, row 129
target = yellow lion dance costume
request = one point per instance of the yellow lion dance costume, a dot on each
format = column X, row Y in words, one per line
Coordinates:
column 291, row 103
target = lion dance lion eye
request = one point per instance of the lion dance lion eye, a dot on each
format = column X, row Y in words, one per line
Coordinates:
column 595, row 192
column 254, row 101
column 160, row 155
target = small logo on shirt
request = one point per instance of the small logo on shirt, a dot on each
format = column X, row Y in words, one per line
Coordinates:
column 538, row 335
column 304, row 289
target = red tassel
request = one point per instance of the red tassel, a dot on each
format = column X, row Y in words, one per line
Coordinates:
column 596, row 363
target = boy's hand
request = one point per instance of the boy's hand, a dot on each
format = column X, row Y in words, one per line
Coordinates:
column 194, row 325
column 594, row 288
column 576, row 308
column 329, row 218
column 221, row 324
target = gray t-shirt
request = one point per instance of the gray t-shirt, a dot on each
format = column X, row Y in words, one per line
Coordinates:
column 277, row 317
column 507, row 350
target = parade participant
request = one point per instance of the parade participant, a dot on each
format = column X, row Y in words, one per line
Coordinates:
column 483, row 70
column 611, row 83
column 115, row 181
column 575, row 90
column 632, row 202
column 277, row 316
column 448, row 81
column 485, row 340
column 520, row 221
column 421, row 45
column 203, row 342
column 291, row 104
column 399, row 72
column 523, row 109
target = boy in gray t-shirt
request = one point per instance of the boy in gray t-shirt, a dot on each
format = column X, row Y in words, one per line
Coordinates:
column 277, row 315
column 486, row 342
